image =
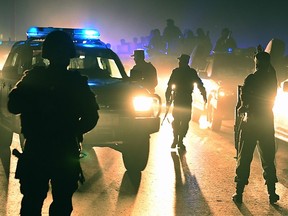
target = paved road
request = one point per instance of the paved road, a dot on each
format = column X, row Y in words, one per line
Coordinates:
column 198, row 182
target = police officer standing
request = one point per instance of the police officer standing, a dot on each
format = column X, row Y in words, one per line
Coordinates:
column 181, row 85
column 144, row 72
column 56, row 107
column 257, row 99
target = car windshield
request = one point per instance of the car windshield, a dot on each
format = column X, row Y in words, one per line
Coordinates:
column 89, row 62
column 95, row 66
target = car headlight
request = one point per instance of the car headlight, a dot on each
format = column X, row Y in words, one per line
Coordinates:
column 142, row 103
column 147, row 105
column 221, row 93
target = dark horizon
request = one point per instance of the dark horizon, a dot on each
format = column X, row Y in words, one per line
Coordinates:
column 251, row 23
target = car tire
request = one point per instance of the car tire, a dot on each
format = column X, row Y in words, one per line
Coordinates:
column 212, row 117
column 135, row 153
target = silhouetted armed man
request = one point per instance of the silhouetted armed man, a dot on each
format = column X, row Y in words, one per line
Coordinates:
column 182, row 82
column 56, row 107
column 257, row 99
column 144, row 72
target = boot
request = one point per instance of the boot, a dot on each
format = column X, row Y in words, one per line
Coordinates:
column 238, row 197
column 273, row 197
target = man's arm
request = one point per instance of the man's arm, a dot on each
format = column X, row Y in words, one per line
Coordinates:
column 201, row 87
column 89, row 109
column 245, row 94
column 19, row 96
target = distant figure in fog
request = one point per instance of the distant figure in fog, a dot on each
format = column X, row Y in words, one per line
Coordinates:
column 180, row 88
column 201, row 50
column 172, row 35
column 226, row 42
column 56, row 107
column 189, row 41
column 144, row 72
column 156, row 45
column 257, row 99
column 136, row 45
column 124, row 47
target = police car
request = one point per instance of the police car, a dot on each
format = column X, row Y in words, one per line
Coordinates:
column 128, row 112
column 224, row 71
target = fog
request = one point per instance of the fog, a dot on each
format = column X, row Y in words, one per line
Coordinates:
column 252, row 22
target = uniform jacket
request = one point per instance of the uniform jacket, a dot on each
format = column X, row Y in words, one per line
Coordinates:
column 184, row 78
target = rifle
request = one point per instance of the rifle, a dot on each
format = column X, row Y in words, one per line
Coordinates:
column 168, row 105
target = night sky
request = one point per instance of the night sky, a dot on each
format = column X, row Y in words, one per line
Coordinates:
column 252, row 22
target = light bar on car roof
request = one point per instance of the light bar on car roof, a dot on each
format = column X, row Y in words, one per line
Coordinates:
column 86, row 34
column 76, row 34
column 39, row 32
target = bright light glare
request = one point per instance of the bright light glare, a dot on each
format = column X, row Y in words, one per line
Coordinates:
column 203, row 123
column 142, row 103
column 221, row 93
column 281, row 104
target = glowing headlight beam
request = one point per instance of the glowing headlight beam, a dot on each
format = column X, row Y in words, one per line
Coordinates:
column 142, row 103
column 221, row 93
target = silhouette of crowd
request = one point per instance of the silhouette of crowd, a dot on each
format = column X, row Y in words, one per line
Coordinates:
column 174, row 41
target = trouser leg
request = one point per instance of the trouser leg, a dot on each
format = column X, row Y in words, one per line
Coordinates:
column 248, row 144
column 34, row 193
column 245, row 158
column 266, row 150
column 273, row 197
column 62, row 192
column 237, row 197
column 184, row 126
column 267, row 155
column 175, row 126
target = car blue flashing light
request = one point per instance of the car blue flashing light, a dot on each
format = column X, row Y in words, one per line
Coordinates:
column 92, row 84
column 38, row 32
column 76, row 34
column 230, row 50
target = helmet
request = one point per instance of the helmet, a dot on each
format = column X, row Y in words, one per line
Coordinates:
column 58, row 43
